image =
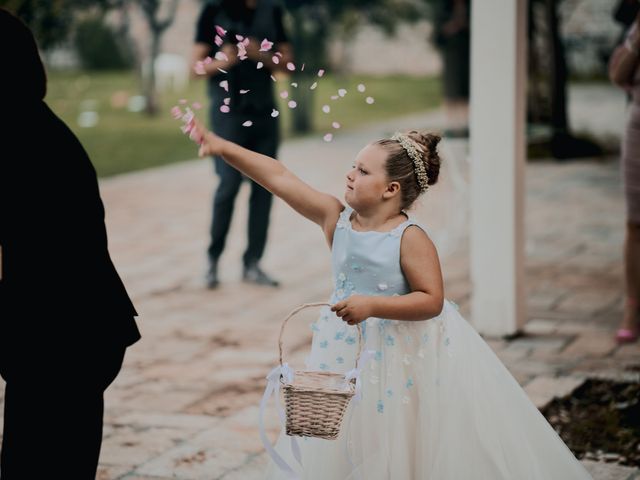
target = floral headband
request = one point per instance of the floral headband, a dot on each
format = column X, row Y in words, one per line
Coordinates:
column 415, row 154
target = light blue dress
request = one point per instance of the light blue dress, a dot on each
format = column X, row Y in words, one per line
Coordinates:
column 436, row 401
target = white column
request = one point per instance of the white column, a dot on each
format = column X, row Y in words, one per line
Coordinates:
column 497, row 156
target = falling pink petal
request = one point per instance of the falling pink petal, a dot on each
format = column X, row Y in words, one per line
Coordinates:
column 334, row 97
column 275, row 113
column 328, row 137
column 292, row 104
column 275, row 59
column 222, row 70
column 242, row 51
column 224, row 84
column 369, row 100
column 248, row 123
column 335, row 125
column 183, row 101
column 196, row 105
column 218, row 41
column 326, row 108
column 302, row 68
column 279, row 54
column 266, row 45
column 199, row 68
column 239, row 38
column 188, row 116
column 207, row 60
column 259, row 65
column 361, row 87
column 273, row 78
column 227, row 101
column 242, row 92
column 222, row 56
column 220, row 31
column 176, row 112
column 186, row 128
column 294, row 84
column 225, row 108
column 284, row 94
column 313, row 86
column 342, row 92
column 320, row 72
column 290, row 66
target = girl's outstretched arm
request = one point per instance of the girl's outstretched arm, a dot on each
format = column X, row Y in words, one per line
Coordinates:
column 319, row 207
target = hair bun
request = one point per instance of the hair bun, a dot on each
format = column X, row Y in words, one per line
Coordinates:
column 429, row 144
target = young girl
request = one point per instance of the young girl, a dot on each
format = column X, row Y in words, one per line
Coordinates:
column 436, row 402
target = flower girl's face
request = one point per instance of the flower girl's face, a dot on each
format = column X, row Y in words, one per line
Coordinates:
column 367, row 180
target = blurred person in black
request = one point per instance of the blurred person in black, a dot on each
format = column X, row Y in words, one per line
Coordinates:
column 249, row 96
column 65, row 316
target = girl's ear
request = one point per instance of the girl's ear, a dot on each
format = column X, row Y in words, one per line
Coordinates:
column 393, row 189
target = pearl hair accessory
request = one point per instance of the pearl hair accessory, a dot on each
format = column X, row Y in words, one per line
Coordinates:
column 415, row 154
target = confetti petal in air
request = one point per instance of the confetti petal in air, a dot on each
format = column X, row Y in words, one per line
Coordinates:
column 248, row 123
column 259, row 65
column 225, row 108
column 275, row 113
column 369, row 100
column 218, row 40
column 266, row 45
column 239, row 38
column 294, row 84
column 207, row 60
column 313, row 86
column 335, row 125
column 275, row 59
column 227, row 100
column 328, row 137
column 242, row 92
column 242, row 51
column 199, row 68
column 361, row 87
column 196, row 105
column 292, row 104
column 222, row 56
column 183, row 101
column 334, row 97
column 302, row 68
column 224, row 84
column 284, row 94
column 326, row 108
column 273, row 78
column 342, row 92
column 220, row 31
column 320, row 73
column 279, row 54
column 222, row 70
column 176, row 112
column 290, row 66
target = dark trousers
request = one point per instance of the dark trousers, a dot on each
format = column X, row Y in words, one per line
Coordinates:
column 261, row 137
column 53, row 411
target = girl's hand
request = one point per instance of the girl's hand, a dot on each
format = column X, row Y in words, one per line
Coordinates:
column 354, row 309
column 210, row 143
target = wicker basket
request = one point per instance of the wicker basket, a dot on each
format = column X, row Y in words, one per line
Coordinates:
column 315, row 402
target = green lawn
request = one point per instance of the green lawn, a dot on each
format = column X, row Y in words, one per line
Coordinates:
column 124, row 141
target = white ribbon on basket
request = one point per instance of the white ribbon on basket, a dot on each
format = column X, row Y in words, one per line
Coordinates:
column 273, row 388
column 365, row 357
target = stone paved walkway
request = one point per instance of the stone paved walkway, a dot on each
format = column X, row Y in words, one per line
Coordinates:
column 185, row 403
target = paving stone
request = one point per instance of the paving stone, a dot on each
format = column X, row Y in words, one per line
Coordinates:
column 544, row 389
column 609, row 471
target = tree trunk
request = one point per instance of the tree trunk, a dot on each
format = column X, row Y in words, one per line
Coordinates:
column 150, row 93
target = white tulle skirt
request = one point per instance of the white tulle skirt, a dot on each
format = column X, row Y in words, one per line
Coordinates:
column 437, row 404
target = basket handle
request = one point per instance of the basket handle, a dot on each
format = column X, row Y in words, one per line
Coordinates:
column 307, row 305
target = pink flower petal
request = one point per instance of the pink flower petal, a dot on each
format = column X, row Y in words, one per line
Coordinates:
column 328, row 137
column 248, row 123
column 313, row 86
column 224, row 84
column 275, row 113
column 183, row 101
column 294, row 84
column 218, row 41
column 220, row 31
column 361, row 87
column 225, row 108
column 259, row 65
column 335, row 125
column 320, row 72
column 176, row 112
column 342, row 92
column 290, row 66
column 279, row 54
column 196, row 105
column 222, row 56
column 292, row 104
column 334, row 97
column 199, row 68
column 239, row 38
column 242, row 92
column 275, row 59
column 207, row 60
column 369, row 100
column 326, row 108
column 273, row 78
column 266, row 45
column 227, row 101
column 284, row 94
